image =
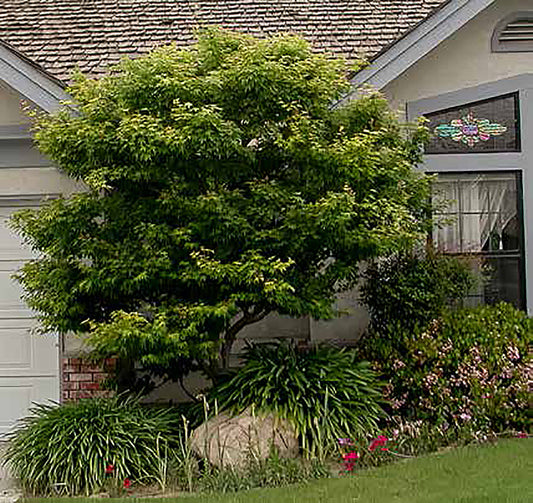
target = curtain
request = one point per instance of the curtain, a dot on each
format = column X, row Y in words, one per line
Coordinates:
column 479, row 208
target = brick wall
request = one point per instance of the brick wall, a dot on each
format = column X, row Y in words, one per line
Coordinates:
column 83, row 379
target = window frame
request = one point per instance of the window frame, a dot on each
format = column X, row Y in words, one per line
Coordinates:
column 521, row 255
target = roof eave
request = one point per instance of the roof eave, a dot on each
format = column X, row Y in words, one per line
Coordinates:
column 31, row 80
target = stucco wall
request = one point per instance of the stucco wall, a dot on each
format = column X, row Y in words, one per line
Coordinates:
column 10, row 109
column 24, row 171
column 463, row 60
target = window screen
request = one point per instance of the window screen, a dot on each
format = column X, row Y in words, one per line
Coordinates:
column 485, row 126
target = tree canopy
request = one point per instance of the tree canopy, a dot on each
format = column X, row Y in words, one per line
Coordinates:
column 222, row 185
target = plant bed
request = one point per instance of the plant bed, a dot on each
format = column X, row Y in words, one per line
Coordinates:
column 491, row 473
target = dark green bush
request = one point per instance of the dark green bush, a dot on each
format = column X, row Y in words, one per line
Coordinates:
column 410, row 290
column 469, row 369
column 65, row 449
column 325, row 392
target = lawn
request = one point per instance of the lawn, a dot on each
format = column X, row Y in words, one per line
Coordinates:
column 499, row 473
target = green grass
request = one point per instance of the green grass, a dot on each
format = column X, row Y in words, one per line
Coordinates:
column 501, row 473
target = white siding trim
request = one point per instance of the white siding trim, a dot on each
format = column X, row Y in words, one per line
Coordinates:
column 29, row 81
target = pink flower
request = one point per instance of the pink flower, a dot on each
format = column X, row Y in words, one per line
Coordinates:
column 351, row 455
column 127, row 483
column 379, row 441
column 522, row 434
column 345, row 441
column 109, row 469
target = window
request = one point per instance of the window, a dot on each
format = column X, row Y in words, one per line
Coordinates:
column 514, row 33
column 486, row 126
column 483, row 220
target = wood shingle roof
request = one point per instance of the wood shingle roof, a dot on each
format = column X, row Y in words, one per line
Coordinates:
column 91, row 34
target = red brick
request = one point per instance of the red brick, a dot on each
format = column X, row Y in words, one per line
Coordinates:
column 89, row 385
column 71, row 368
column 70, row 386
column 76, row 395
column 90, row 367
column 75, row 361
column 80, row 377
column 66, row 395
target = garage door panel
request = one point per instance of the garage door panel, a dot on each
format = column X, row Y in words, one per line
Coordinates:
column 17, row 395
column 29, row 361
column 11, row 295
column 24, row 352
column 11, row 245
column 16, row 350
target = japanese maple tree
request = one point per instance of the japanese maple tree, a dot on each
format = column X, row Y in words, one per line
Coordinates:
column 222, row 185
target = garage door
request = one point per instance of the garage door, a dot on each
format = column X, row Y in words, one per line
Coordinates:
column 28, row 361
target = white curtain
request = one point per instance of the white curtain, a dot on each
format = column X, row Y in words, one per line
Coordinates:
column 478, row 209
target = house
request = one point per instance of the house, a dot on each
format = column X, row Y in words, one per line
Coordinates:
column 467, row 65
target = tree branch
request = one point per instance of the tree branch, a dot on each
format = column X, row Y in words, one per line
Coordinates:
column 257, row 314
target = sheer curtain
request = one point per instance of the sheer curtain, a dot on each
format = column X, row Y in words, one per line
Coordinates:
column 478, row 209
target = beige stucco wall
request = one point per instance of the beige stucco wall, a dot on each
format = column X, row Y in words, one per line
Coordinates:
column 10, row 109
column 463, row 60
column 24, row 171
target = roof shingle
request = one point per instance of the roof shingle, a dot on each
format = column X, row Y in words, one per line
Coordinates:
column 91, row 34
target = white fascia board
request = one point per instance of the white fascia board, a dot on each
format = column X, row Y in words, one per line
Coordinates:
column 29, row 81
column 415, row 45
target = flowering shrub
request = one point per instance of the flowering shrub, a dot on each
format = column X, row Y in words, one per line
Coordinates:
column 468, row 371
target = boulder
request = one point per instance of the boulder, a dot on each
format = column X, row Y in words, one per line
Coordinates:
column 226, row 440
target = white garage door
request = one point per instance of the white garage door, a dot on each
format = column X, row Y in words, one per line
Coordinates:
column 29, row 362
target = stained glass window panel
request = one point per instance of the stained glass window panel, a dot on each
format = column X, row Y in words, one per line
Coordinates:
column 485, row 126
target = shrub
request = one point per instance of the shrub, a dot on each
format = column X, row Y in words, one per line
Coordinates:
column 325, row 392
column 413, row 290
column 66, row 449
column 468, row 370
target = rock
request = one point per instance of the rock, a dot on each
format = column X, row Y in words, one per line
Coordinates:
column 9, row 495
column 226, row 440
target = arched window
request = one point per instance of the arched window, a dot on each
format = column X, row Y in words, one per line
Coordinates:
column 514, row 33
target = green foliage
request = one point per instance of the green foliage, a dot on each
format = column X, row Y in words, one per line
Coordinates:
column 66, row 449
column 469, row 370
column 326, row 393
column 271, row 472
column 222, row 186
column 409, row 290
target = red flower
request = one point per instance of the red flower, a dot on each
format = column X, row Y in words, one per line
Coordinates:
column 127, row 483
column 349, row 466
column 379, row 441
column 351, row 455
column 109, row 469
